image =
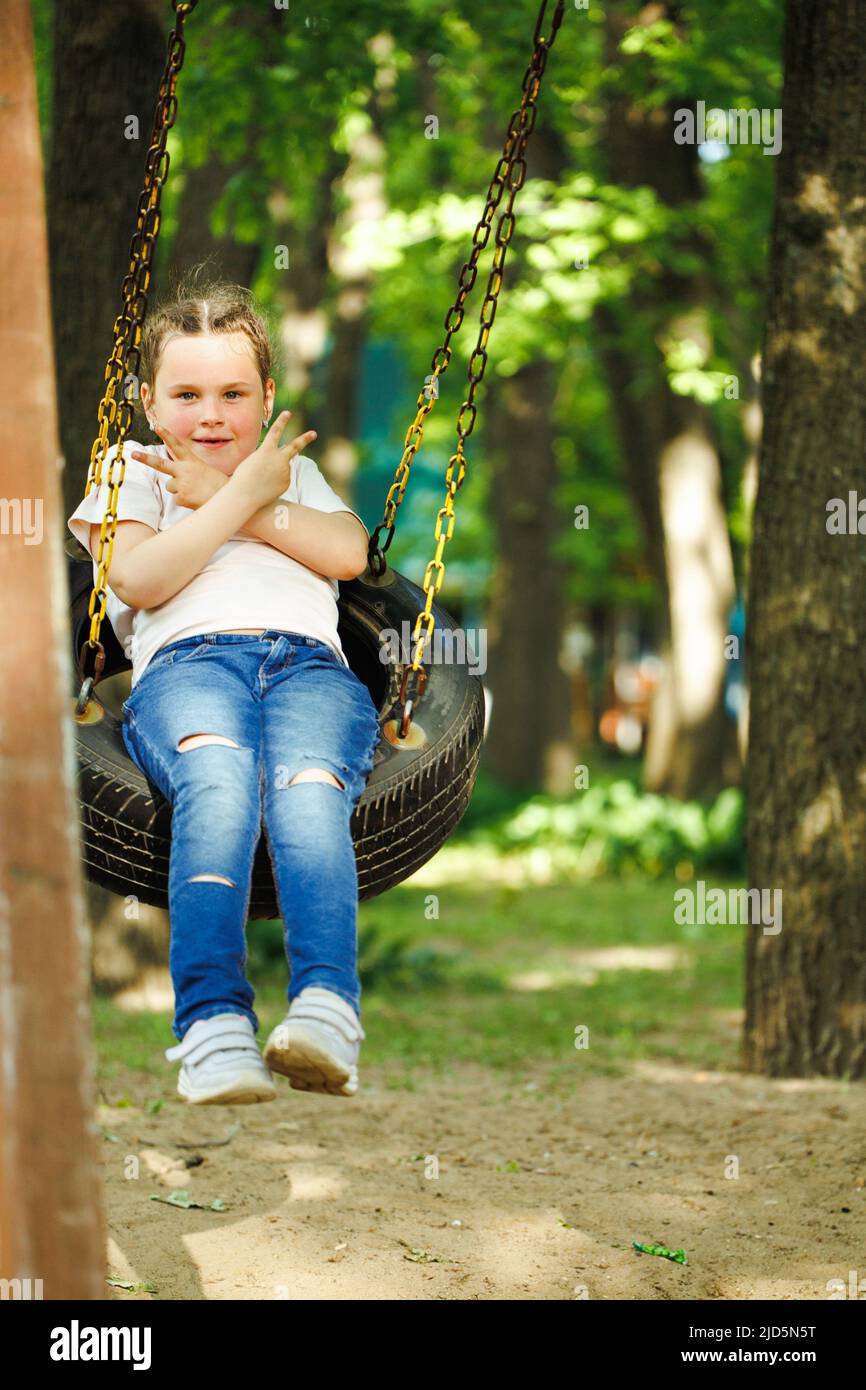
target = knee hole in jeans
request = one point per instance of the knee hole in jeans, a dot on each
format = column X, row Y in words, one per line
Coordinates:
column 195, row 741
column 317, row 774
column 212, row 878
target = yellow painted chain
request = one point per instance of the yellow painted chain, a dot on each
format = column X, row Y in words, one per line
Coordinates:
column 115, row 409
column 511, row 167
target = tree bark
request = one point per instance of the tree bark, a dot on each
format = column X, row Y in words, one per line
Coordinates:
column 806, row 625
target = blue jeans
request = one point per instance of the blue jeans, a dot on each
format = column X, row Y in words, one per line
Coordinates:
column 287, row 703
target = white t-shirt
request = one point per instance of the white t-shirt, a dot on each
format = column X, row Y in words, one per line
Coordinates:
column 245, row 583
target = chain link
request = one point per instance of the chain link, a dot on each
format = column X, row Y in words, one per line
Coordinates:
column 510, row 170
column 115, row 410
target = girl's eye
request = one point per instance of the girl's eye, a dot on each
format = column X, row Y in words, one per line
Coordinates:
column 232, row 392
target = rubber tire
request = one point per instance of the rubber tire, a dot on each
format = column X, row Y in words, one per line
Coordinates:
column 413, row 798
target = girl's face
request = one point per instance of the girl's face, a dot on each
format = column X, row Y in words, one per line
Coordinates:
column 207, row 390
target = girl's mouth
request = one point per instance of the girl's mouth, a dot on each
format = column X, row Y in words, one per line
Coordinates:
column 212, row 443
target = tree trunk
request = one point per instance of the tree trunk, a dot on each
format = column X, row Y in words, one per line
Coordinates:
column 806, row 627
column 301, row 294
column 670, row 458
column 108, row 60
column 52, row 1223
column 530, row 743
column 194, row 241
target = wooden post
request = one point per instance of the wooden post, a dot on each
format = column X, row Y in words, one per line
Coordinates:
column 51, row 1218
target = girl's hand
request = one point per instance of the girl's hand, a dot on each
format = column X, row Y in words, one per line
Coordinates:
column 267, row 473
column 194, row 481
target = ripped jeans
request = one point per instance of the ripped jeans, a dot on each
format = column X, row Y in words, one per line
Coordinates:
column 279, row 704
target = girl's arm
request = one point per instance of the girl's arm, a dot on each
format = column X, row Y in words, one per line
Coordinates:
column 155, row 568
column 333, row 544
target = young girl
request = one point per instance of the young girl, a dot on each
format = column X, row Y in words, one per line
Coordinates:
column 243, row 710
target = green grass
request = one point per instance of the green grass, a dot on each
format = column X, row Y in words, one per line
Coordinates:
column 498, row 976
column 447, row 990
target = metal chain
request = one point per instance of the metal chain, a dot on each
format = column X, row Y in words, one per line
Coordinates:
column 511, row 162
column 115, row 410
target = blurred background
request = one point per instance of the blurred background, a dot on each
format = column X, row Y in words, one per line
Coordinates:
column 336, row 160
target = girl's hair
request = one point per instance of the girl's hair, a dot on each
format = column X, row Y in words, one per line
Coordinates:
column 209, row 306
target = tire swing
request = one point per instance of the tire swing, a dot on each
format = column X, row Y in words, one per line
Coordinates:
column 424, row 770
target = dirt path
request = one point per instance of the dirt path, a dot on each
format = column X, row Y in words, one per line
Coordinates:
column 327, row 1198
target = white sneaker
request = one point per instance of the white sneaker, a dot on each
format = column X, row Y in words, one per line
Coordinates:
column 317, row 1044
column 222, row 1064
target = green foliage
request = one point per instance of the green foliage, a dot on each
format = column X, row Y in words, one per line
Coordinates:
column 618, row 829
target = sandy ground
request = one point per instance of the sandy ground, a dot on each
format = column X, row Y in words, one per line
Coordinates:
column 536, row 1196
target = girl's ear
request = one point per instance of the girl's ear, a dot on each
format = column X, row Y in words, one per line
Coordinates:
column 145, row 403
